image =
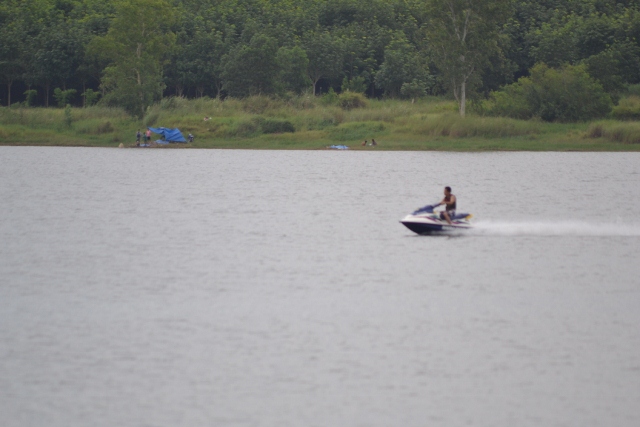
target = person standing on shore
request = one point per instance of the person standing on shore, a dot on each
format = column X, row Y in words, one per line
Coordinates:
column 138, row 134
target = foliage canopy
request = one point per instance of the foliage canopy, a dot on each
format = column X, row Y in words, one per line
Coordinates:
column 135, row 52
column 567, row 94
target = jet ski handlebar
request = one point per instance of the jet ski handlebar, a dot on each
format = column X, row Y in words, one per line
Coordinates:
column 426, row 209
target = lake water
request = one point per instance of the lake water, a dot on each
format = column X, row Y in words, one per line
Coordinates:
column 277, row 288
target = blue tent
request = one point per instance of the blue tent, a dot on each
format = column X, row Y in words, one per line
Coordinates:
column 170, row 135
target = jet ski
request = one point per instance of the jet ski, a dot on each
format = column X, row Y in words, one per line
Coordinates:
column 426, row 221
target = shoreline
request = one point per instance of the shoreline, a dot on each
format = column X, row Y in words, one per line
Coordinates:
column 262, row 123
column 619, row 148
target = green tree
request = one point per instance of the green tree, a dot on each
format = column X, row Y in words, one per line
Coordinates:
column 357, row 84
column 554, row 45
column 251, row 69
column 474, row 46
column 90, row 97
column 462, row 35
column 361, row 56
column 63, row 97
column 566, row 94
column 30, row 97
column 293, row 64
column 402, row 65
column 11, row 46
column 196, row 61
column 413, row 89
column 325, row 53
column 10, row 65
column 136, row 45
column 57, row 51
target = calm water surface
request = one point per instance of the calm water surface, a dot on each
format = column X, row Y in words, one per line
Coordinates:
column 264, row 288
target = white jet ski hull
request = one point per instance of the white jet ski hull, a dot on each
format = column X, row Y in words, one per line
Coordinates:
column 425, row 221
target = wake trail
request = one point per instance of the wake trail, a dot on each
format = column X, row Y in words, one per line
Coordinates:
column 560, row 228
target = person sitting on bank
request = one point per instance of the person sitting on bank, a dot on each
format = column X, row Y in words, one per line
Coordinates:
column 449, row 203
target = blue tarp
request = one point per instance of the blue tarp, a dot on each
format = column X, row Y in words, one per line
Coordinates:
column 171, row 135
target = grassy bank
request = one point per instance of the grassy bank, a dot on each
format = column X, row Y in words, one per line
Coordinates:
column 313, row 123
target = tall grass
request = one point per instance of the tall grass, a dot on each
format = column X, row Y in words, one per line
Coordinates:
column 627, row 109
column 356, row 131
column 59, row 126
column 454, row 126
column 311, row 122
column 621, row 132
column 48, row 116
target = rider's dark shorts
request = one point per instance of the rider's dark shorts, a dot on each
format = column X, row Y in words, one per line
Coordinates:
column 452, row 214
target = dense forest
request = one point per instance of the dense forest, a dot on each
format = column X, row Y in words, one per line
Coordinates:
column 131, row 53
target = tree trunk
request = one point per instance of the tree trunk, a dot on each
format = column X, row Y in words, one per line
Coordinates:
column 463, row 98
column 138, row 76
column 139, row 81
column 47, row 86
column 9, row 84
column 84, row 95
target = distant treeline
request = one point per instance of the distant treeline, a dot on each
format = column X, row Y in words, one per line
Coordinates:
column 131, row 53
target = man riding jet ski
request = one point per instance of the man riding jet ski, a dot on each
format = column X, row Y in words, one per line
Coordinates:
column 425, row 220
